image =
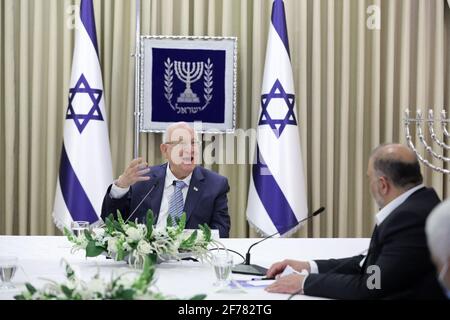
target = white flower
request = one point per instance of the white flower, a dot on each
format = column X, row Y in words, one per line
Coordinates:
column 159, row 232
column 98, row 233
column 126, row 247
column 134, row 234
column 142, row 229
column 112, row 245
column 143, row 247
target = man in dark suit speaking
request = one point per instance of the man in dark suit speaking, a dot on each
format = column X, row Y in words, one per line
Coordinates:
column 172, row 188
column 398, row 262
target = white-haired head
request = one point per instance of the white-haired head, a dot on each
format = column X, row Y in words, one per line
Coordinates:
column 180, row 148
column 438, row 232
column 177, row 125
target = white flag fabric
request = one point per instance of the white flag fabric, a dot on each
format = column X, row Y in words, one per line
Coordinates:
column 277, row 194
column 85, row 168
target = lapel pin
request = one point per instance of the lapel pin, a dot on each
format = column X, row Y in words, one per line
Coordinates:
column 195, row 189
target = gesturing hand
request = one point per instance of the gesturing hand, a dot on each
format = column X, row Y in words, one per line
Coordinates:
column 136, row 171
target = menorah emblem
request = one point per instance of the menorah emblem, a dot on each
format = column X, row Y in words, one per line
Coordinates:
column 188, row 73
column 419, row 120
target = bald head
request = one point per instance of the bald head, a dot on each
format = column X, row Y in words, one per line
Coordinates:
column 395, row 152
column 398, row 163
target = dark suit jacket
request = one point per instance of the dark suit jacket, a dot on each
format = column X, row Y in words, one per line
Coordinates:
column 398, row 247
column 206, row 200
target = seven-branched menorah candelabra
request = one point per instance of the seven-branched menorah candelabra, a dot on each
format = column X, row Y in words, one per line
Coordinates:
column 188, row 74
column 419, row 120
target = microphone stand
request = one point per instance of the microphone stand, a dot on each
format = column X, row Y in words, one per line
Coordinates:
column 253, row 269
column 143, row 199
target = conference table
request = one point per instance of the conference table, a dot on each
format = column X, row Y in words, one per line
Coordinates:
column 40, row 258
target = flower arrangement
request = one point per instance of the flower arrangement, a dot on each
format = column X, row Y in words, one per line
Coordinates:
column 132, row 241
column 119, row 288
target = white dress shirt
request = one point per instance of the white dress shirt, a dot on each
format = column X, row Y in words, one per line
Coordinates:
column 394, row 204
column 379, row 218
column 117, row 193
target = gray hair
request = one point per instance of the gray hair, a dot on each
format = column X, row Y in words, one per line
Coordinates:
column 173, row 125
column 438, row 232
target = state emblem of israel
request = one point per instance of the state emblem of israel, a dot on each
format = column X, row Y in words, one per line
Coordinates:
column 187, row 79
column 188, row 101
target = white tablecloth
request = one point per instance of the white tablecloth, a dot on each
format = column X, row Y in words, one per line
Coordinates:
column 40, row 257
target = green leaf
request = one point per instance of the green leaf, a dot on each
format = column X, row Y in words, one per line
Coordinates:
column 120, row 252
column 198, row 297
column 152, row 258
column 189, row 242
column 182, row 222
column 147, row 274
column 19, row 297
column 30, row 288
column 206, row 232
column 118, row 227
column 119, row 218
column 112, row 224
column 66, row 291
column 70, row 273
column 70, row 236
column 87, row 235
column 169, row 220
column 109, row 223
column 92, row 250
column 127, row 294
column 67, row 232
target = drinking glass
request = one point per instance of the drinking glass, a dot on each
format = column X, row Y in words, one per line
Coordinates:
column 222, row 263
column 78, row 227
column 8, row 267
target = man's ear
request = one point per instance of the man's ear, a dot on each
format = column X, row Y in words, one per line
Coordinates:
column 163, row 149
column 384, row 185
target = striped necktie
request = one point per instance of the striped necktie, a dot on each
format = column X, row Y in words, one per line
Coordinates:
column 176, row 203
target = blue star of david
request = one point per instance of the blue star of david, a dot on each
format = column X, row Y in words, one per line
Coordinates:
column 81, row 120
column 277, row 125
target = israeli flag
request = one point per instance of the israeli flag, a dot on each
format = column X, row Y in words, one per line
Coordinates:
column 277, row 195
column 85, row 169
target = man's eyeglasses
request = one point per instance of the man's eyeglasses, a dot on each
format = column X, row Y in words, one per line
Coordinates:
column 183, row 143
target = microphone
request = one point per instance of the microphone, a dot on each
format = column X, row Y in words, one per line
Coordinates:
column 247, row 268
column 143, row 199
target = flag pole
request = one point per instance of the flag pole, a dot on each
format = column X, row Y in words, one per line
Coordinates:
column 137, row 59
